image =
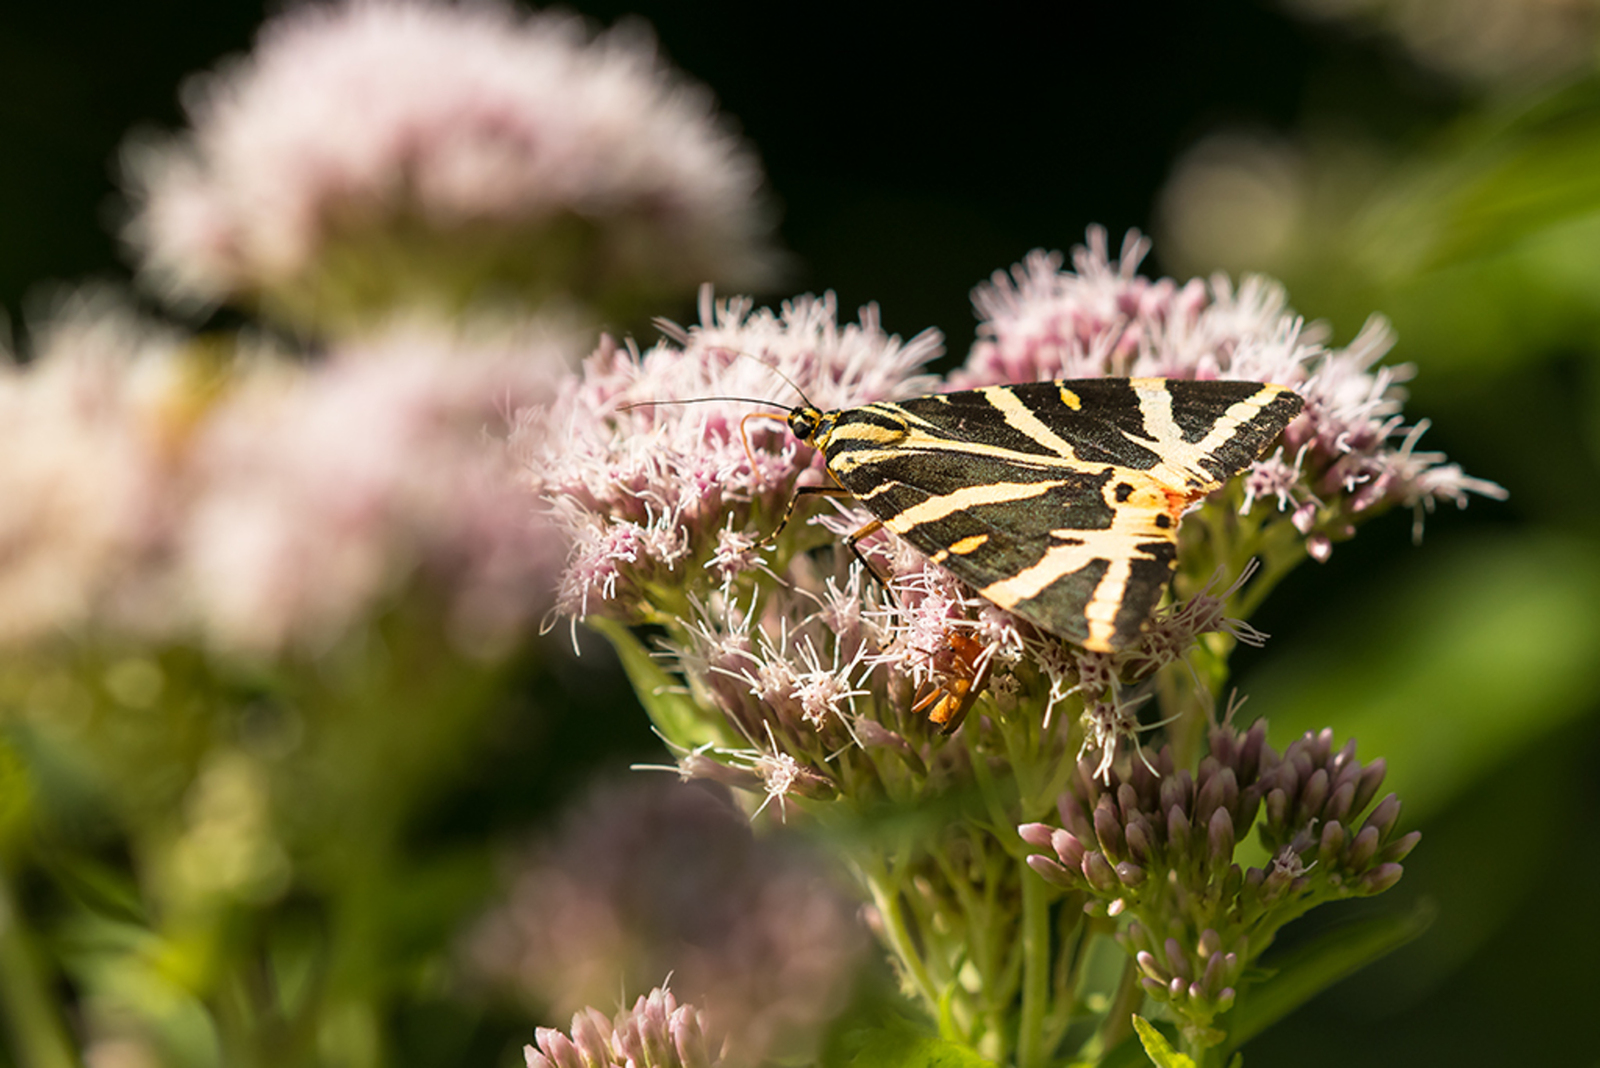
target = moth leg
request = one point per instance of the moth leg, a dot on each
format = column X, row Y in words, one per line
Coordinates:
column 788, row 513
column 865, row 532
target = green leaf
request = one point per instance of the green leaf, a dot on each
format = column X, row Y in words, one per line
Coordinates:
column 1157, row 1048
column 899, row 1044
column 1313, row 969
column 1449, row 668
column 675, row 714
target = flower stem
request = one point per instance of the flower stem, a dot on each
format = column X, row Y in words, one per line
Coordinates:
column 38, row 1036
column 886, row 896
column 1031, row 1049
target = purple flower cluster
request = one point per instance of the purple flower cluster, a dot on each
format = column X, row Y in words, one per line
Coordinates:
column 1157, row 843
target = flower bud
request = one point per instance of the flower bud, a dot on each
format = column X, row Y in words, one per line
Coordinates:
column 1363, row 849
column 1401, row 847
column 1367, row 785
column 1051, row 871
column 1380, row 878
column 1099, row 872
column 1220, row 837
column 1384, row 816
column 1312, row 795
column 1108, row 829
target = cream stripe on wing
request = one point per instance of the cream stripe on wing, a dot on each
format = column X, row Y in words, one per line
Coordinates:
column 935, row 508
column 1005, row 401
column 1237, row 416
column 1061, row 560
column 1181, row 460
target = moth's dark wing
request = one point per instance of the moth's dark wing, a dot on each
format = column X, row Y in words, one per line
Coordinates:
column 1206, row 431
column 1081, row 552
column 1236, row 421
column 1056, row 500
column 1095, row 588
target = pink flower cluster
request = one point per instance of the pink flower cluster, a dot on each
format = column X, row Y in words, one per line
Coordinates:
column 672, row 479
column 376, row 143
column 656, row 1033
column 272, row 505
column 654, row 486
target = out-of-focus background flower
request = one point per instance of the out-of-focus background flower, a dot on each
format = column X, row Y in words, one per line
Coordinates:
column 1436, row 160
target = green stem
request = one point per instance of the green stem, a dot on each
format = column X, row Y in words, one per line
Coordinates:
column 38, row 1036
column 1031, row 1049
column 887, row 899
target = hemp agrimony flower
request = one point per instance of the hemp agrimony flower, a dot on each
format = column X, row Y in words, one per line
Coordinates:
column 1155, row 844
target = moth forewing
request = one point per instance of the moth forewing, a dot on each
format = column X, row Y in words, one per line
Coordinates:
column 1058, row 501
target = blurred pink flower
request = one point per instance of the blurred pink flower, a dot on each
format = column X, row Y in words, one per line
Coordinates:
column 266, row 504
column 370, row 152
column 319, row 493
column 657, row 877
column 87, row 469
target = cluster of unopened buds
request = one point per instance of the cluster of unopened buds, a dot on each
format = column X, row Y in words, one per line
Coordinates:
column 1157, row 843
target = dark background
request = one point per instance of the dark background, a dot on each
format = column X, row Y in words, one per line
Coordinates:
column 913, row 152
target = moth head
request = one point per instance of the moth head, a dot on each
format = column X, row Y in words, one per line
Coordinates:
column 804, row 423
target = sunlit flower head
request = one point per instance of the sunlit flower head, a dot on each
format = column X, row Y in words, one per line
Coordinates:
column 374, row 153
column 650, row 479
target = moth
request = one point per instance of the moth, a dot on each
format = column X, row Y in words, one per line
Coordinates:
column 1058, row 501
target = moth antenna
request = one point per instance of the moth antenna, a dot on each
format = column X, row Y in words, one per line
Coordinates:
column 792, row 384
column 701, row 400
